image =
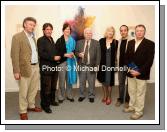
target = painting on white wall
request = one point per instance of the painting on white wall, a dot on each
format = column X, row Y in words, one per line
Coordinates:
column 132, row 31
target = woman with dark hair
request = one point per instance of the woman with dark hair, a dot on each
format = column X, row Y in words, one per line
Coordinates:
column 67, row 74
column 48, row 57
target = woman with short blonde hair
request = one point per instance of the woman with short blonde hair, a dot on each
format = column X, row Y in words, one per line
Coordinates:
column 108, row 46
column 110, row 29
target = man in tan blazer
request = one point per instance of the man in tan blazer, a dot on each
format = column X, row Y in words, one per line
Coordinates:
column 25, row 67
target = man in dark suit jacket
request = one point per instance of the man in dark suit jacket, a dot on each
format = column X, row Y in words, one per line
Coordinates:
column 88, row 55
column 139, row 58
column 48, row 61
column 121, row 50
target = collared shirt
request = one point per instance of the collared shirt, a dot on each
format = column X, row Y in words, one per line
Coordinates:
column 137, row 43
column 34, row 56
column 87, row 42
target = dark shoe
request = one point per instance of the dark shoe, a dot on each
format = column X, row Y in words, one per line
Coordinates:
column 55, row 103
column 42, row 106
column 61, row 101
column 47, row 110
column 126, row 105
column 71, row 100
column 118, row 103
column 81, row 99
column 23, row 116
column 91, row 100
column 36, row 109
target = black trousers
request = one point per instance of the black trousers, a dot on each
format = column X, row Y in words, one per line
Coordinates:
column 123, row 89
column 48, row 89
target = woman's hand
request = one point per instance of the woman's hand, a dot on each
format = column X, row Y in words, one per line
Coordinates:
column 69, row 55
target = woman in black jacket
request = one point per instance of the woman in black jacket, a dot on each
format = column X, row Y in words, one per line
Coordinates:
column 107, row 65
column 66, row 46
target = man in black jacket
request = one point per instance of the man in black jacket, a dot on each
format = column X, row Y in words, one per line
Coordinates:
column 139, row 58
column 49, row 74
column 121, row 50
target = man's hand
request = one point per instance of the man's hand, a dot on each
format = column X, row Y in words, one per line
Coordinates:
column 57, row 58
column 134, row 73
column 17, row 76
column 81, row 55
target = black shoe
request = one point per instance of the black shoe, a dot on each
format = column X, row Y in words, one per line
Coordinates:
column 55, row 103
column 47, row 110
column 81, row 99
column 71, row 100
column 91, row 100
column 61, row 101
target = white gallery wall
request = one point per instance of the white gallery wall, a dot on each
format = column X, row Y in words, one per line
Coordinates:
column 105, row 16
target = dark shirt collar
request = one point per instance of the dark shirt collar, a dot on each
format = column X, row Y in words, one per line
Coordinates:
column 51, row 39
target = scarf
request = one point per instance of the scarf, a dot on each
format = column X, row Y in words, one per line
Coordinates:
column 71, row 62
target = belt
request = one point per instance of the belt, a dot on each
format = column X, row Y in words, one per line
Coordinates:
column 34, row 63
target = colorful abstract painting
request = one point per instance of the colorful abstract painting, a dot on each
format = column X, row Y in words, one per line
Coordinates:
column 79, row 23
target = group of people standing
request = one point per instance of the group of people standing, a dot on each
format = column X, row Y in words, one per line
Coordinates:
column 29, row 59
